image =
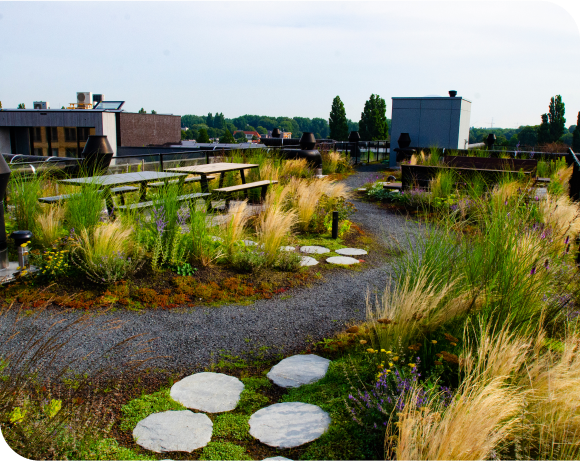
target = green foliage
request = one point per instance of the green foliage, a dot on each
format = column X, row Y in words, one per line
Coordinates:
column 228, row 425
column 227, row 138
column 141, row 407
column 185, row 270
column 373, row 122
column 84, row 207
column 21, row 106
column 556, row 118
column 544, row 135
column 203, row 136
column 576, row 136
column 248, row 259
column 53, row 264
column 528, row 136
column 251, row 400
column 102, row 449
column 224, row 451
column 142, row 111
column 287, row 261
column 23, row 193
column 337, row 121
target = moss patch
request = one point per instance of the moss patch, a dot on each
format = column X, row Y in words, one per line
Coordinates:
column 223, row 450
column 141, row 407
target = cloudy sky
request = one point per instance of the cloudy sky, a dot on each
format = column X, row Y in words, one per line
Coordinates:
column 292, row 58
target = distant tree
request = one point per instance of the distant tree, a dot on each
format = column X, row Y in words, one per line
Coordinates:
column 544, row 135
column 209, row 120
column 528, row 136
column 261, row 130
column 203, row 136
column 62, row 107
column 240, row 135
column 142, row 111
column 254, row 137
column 219, row 121
column 556, row 118
column 337, row 121
column 373, row 121
column 571, row 128
column 320, row 126
column 352, row 126
column 227, row 138
column 153, row 111
column 240, row 122
column 567, row 138
column 21, row 106
column 576, row 136
column 249, row 128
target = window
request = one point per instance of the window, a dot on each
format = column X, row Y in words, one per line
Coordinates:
column 36, row 135
column 55, row 152
column 38, row 151
column 54, row 133
column 71, row 152
column 84, row 134
column 70, row 134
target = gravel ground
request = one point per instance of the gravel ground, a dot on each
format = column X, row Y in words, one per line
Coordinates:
column 192, row 340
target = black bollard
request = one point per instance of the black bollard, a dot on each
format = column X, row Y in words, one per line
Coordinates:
column 335, row 224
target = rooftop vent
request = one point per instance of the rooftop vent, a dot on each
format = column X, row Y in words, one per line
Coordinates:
column 41, row 105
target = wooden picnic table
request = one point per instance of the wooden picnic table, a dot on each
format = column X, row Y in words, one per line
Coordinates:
column 214, row 168
column 109, row 181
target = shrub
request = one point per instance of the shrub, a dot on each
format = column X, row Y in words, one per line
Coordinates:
column 248, row 259
column 288, row 261
column 107, row 254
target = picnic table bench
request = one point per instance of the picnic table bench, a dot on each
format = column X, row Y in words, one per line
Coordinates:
column 175, row 181
column 150, row 203
column 115, row 191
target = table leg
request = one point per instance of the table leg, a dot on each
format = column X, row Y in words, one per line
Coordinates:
column 204, row 184
column 243, row 176
column 222, row 179
column 143, row 192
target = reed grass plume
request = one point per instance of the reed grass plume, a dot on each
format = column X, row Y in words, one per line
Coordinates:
column 105, row 240
column 269, row 171
column 307, row 194
column 49, row 227
column 561, row 215
column 232, row 229
column 297, row 168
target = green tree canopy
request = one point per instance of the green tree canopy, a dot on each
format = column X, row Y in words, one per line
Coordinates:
column 337, row 121
column 544, row 135
column 576, row 136
column 209, row 120
column 373, row 120
column 240, row 135
column 153, row 111
column 528, row 136
column 142, row 111
column 219, row 121
column 261, row 130
column 556, row 118
column 203, row 136
column 227, row 138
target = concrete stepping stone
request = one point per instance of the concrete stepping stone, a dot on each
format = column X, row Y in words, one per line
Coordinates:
column 308, row 261
column 210, row 392
column 287, row 248
column 249, row 243
column 351, row 252
column 173, row 431
column 277, row 458
column 344, row 260
column 314, row 249
column 298, row 370
column 289, row 424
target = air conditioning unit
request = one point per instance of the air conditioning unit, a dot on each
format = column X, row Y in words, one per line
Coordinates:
column 97, row 98
column 84, row 98
column 41, row 105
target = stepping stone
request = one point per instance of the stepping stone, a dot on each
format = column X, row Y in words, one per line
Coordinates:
column 351, row 252
column 277, row 458
column 173, row 431
column 298, row 370
column 308, row 261
column 314, row 249
column 210, row 392
column 344, row 260
column 287, row 248
column 249, row 243
column 215, row 238
column 289, row 424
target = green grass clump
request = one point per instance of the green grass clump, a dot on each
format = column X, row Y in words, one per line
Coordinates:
column 223, row 450
column 251, row 400
column 104, row 449
column 141, row 407
column 228, row 425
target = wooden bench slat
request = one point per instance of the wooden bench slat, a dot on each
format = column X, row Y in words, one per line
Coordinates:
column 114, row 190
column 151, row 203
column 246, row 186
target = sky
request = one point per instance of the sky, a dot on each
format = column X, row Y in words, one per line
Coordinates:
column 292, row 58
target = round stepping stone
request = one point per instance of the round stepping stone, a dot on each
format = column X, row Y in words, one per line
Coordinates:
column 308, row 261
column 249, row 243
column 351, row 252
column 289, row 424
column 210, row 392
column 344, row 260
column 314, row 249
column 298, row 370
column 277, row 458
column 173, row 431
column 287, row 248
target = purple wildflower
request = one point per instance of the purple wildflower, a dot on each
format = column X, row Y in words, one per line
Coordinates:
column 533, row 271
column 160, row 222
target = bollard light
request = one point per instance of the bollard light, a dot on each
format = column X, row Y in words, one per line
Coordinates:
column 4, row 178
column 21, row 238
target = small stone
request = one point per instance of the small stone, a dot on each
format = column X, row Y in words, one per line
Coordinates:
column 173, row 431
column 215, row 238
column 277, row 458
column 287, row 248
column 314, row 249
column 289, row 424
column 297, row 370
column 249, row 243
column 344, row 260
column 308, row 261
column 351, row 252
column 210, row 392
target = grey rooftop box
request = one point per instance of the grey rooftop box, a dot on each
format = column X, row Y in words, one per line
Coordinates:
column 431, row 122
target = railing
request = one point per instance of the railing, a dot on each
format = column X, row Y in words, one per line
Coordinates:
column 374, row 149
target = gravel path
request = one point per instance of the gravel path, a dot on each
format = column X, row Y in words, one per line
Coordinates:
column 192, row 340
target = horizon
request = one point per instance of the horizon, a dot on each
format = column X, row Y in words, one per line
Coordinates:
column 295, row 57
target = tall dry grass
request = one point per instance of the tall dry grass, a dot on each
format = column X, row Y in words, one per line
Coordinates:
column 269, row 171
column 561, row 215
column 105, row 240
column 49, row 227
column 297, row 168
column 232, row 229
column 276, row 222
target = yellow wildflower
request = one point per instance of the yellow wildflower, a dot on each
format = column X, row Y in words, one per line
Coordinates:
column 390, row 364
column 382, row 350
column 389, row 352
column 362, row 341
column 395, row 358
column 454, row 344
column 370, row 351
column 412, row 365
column 433, row 341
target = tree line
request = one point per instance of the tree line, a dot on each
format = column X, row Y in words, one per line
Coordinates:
column 552, row 129
column 373, row 124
